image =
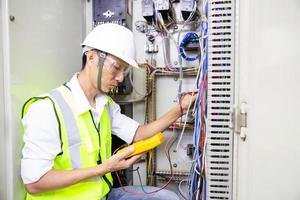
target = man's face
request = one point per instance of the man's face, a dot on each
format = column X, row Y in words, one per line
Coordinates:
column 113, row 73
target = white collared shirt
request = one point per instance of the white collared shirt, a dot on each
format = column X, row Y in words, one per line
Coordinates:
column 41, row 137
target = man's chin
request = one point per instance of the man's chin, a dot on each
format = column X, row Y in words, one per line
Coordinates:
column 105, row 90
column 108, row 89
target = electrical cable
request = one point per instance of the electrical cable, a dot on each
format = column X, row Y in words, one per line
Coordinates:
column 190, row 36
column 164, row 29
column 167, row 152
column 149, row 163
column 180, row 190
column 133, row 86
column 179, row 53
column 185, row 120
column 124, row 102
column 198, row 177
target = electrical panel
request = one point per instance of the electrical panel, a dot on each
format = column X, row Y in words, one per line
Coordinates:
column 111, row 11
column 182, row 46
column 189, row 46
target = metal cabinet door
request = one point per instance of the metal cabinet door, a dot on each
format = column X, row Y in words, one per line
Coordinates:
column 268, row 161
column 42, row 50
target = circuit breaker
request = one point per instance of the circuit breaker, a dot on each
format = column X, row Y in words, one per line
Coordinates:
column 112, row 11
column 148, row 10
column 187, row 6
column 162, row 5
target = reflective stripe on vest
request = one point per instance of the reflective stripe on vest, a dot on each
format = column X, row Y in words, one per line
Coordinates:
column 71, row 128
column 80, row 147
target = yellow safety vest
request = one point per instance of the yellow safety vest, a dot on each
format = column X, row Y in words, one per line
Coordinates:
column 80, row 146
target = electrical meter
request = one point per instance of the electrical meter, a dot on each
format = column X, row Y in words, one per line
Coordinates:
column 187, row 5
column 162, row 5
column 111, row 11
column 148, row 10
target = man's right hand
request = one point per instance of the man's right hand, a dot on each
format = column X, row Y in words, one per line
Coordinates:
column 118, row 161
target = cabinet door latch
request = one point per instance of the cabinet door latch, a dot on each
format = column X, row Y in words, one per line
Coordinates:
column 239, row 120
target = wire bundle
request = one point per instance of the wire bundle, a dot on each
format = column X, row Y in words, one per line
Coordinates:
column 187, row 38
column 168, row 145
column 197, row 180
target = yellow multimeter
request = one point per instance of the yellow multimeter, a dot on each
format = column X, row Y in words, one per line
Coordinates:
column 145, row 145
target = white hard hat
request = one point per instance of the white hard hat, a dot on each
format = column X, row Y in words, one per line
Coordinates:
column 113, row 39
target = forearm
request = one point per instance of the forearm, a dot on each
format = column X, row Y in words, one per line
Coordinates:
column 56, row 179
column 147, row 130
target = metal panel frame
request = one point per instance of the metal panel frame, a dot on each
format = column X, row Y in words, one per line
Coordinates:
column 221, row 32
column 6, row 179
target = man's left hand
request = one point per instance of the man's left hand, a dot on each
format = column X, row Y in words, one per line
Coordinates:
column 186, row 101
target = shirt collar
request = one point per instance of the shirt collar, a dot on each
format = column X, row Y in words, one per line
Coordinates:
column 82, row 102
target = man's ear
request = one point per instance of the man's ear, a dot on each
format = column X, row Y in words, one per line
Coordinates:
column 90, row 56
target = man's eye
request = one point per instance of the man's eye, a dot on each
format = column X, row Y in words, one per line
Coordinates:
column 117, row 67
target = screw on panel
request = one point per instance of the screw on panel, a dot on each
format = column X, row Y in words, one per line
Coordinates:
column 12, row 18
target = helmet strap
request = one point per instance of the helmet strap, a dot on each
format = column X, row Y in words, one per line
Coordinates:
column 102, row 57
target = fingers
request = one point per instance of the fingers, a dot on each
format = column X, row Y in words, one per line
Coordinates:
column 187, row 98
column 195, row 97
column 134, row 159
column 190, row 96
column 125, row 153
column 192, row 93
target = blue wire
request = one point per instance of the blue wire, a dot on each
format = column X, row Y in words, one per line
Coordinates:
column 204, row 189
column 205, row 64
column 198, row 119
column 188, row 37
column 206, row 9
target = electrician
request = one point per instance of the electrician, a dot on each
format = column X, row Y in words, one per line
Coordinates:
column 67, row 132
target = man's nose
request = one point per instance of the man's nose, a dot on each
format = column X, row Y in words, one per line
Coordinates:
column 120, row 77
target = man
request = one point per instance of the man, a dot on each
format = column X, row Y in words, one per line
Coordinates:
column 67, row 132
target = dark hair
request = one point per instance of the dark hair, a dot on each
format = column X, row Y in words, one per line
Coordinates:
column 83, row 61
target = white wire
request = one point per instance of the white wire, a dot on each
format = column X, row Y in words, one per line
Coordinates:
column 205, row 147
column 197, row 194
column 160, row 19
column 186, row 115
column 133, row 86
column 203, row 163
column 166, row 61
column 194, row 87
column 203, row 55
column 180, row 190
column 195, row 168
column 186, row 21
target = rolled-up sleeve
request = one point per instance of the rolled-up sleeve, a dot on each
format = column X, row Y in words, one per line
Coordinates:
column 122, row 126
column 41, row 141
